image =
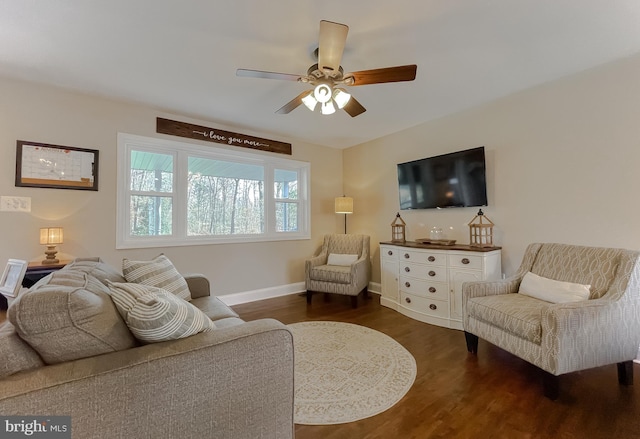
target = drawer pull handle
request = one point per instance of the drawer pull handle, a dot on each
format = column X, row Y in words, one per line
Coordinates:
column 406, row 299
column 431, row 259
column 407, row 284
column 465, row 261
column 390, row 252
column 432, row 273
column 407, row 269
column 407, row 256
column 433, row 307
column 432, row 290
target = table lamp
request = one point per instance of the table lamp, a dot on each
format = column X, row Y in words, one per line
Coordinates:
column 51, row 236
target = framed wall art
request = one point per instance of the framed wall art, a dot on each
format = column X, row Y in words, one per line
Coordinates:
column 54, row 166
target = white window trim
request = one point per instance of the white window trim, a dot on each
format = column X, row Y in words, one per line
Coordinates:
column 180, row 151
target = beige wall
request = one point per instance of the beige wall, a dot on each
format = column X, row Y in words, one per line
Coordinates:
column 562, row 163
column 563, row 166
column 49, row 115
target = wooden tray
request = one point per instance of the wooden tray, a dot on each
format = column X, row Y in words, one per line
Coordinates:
column 436, row 241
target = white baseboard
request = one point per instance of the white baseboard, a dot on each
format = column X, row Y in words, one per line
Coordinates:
column 261, row 294
column 281, row 290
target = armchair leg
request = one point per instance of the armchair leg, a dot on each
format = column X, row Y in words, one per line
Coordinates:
column 625, row 373
column 551, row 385
column 309, row 294
column 354, row 301
column 472, row 342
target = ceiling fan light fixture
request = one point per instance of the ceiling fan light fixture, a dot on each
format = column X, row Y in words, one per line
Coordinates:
column 322, row 93
column 328, row 108
column 341, row 97
column 310, row 101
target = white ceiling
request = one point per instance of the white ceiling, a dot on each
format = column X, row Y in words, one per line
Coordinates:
column 181, row 56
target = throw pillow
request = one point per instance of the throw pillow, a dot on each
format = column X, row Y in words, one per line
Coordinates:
column 340, row 259
column 553, row 291
column 159, row 272
column 69, row 316
column 155, row 315
column 97, row 268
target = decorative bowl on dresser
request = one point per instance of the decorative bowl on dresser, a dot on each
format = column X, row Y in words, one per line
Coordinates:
column 424, row 281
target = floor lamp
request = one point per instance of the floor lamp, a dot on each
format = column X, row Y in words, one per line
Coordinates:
column 344, row 205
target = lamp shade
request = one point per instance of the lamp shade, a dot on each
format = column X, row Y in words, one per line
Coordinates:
column 51, row 235
column 341, row 97
column 310, row 101
column 344, row 205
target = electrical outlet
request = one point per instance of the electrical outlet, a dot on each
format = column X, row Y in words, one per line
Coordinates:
column 15, row 204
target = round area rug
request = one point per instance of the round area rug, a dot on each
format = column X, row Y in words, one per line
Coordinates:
column 346, row 372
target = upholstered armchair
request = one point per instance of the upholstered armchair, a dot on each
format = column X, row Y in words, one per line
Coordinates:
column 341, row 267
column 600, row 329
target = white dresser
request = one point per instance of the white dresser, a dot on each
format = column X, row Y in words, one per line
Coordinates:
column 424, row 281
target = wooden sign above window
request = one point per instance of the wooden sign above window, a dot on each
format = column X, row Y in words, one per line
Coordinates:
column 182, row 129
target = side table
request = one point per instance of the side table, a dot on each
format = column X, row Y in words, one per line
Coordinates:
column 37, row 270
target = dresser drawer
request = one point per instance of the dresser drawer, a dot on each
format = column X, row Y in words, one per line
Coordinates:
column 389, row 252
column 428, row 272
column 423, row 257
column 436, row 308
column 472, row 262
column 424, row 288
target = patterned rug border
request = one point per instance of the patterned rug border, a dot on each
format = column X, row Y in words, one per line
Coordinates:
column 361, row 381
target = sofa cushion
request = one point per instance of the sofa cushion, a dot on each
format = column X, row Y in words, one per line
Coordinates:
column 70, row 316
column 517, row 314
column 97, row 268
column 16, row 354
column 213, row 307
column 553, row 291
column 331, row 273
column 158, row 272
column 156, row 315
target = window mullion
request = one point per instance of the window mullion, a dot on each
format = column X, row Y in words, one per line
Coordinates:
column 269, row 200
column 181, row 193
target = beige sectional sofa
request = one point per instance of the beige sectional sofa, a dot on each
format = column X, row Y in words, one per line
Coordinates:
column 67, row 351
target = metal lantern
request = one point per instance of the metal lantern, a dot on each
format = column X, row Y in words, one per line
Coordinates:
column 397, row 229
column 481, row 231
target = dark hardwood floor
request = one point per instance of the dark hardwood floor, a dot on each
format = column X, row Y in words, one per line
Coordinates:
column 458, row 395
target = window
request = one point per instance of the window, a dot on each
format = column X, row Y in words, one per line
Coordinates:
column 173, row 193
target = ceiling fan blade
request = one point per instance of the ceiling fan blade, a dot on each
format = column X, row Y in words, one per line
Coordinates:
column 333, row 37
column 387, row 74
column 266, row 75
column 292, row 104
column 354, row 107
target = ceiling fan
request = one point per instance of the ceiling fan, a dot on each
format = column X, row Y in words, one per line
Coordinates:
column 327, row 76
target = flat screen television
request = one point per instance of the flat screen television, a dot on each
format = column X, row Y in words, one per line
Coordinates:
column 457, row 179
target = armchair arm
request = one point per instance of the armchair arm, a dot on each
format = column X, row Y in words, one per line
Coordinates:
column 591, row 333
column 198, row 285
column 320, row 259
column 491, row 288
column 360, row 271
